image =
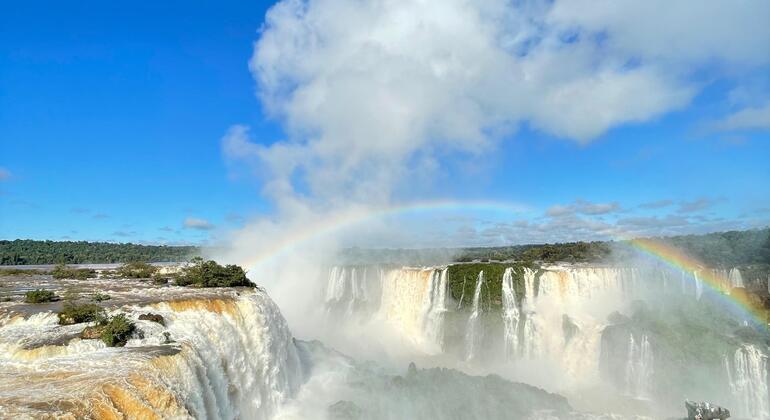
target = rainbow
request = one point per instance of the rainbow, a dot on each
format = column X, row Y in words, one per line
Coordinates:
column 345, row 219
column 677, row 259
column 656, row 249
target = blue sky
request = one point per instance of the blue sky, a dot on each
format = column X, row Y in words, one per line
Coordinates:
column 112, row 118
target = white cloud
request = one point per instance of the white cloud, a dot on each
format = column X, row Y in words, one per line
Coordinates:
column 583, row 207
column 375, row 95
column 673, row 34
column 658, row 204
column 368, row 88
column 697, row 205
column 198, row 224
column 5, row 174
column 750, row 118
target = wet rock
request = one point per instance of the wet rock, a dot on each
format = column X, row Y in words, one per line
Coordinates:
column 705, row 411
column 411, row 370
column 569, row 327
column 617, row 318
column 153, row 317
column 345, row 410
column 92, row 333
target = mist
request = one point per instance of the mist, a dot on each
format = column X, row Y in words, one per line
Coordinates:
column 379, row 101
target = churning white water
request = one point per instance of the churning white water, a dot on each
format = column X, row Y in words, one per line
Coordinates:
column 216, row 357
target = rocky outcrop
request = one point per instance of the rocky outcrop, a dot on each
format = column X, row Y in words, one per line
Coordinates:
column 92, row 333
column 705, row 411
column 153, row 317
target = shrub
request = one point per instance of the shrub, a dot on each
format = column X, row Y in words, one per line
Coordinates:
column 210, row 274
column 40, row 296
column 136, row 270
column 76, row 314
column 117, row 331
column 22, row 272
column 159, row 280
column 100, row 297
column 61, row 271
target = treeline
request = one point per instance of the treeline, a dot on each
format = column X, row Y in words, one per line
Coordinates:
column 27, row 252
column 729, row 249
column 565, row 252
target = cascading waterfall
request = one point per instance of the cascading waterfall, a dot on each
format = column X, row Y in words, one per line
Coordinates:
column 736, row 279
column 218, row 357
column 698, row 285
column 436, row 308
column 352, row 290
column 639, row 367
column 530, row 340
column 473, row 333
column 747, row 375
column 510, row 316
column 414, row 302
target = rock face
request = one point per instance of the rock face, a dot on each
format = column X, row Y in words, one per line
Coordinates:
column 705, row 411
column 92, row 333
column 153, row 317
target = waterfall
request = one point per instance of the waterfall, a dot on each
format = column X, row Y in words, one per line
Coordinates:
column 684, row 283
column 436, row 308
column 698, row 285
column 473, row 333
column 351, row 290
column 414, row 303
column 510, row 315
column 529, row 289
column 747, row 375
column 229, row 356
column 335, row 285
column 736, row 279
column 639, row 367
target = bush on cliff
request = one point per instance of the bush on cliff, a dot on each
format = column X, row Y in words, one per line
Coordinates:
column 117, row 331
column 203, row 273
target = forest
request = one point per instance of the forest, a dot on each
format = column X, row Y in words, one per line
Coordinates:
column 28, row 252
column 721, row 248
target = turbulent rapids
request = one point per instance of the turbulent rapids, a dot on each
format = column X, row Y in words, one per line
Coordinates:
column 560, row 341
column 220, row 354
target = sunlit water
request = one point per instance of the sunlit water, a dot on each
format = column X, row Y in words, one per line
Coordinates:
column 596, row 341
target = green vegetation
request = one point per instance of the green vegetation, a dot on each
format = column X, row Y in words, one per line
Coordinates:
column 160, row 279
column 136, row 270
column 203, row 273
column 461, row 281
column 22, row 272
column 25, row 252
column 40, row 296
column 61, row 271
column 117, row 331
column 100, row 297
column 729, row 249
column 567, row 252
column 75, row 314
